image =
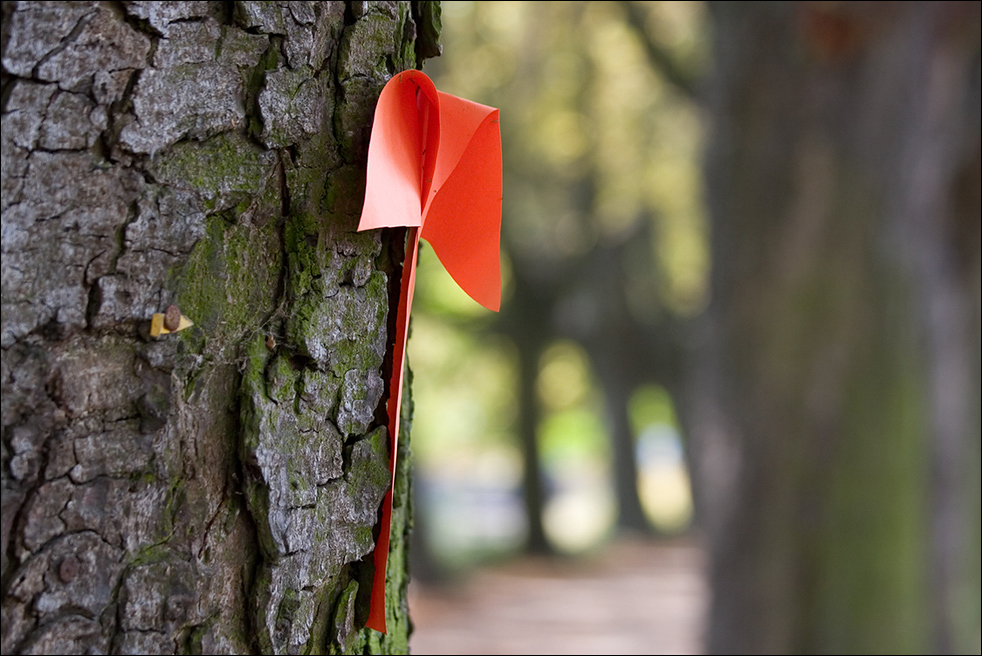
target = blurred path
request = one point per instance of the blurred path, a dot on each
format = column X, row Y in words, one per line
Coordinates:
column 634, row 597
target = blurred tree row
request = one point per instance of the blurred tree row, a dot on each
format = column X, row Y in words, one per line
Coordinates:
column 603, row 230
column 826, row 373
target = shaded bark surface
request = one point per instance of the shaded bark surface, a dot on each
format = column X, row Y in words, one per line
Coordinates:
column 213, row 490
column 836, row 428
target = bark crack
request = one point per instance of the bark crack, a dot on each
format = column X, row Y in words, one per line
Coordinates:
column 211, row 520
column 80, row 25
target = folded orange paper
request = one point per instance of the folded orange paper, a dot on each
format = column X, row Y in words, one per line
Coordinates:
column 434, row 166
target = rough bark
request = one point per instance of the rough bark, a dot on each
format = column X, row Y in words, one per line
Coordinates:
column 836, row 415
column 213, row 490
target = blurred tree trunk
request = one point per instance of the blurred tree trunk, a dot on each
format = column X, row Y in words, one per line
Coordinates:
column 617, row 348
column 835, row 413
column 213, row 490
column 527, row 323
column 612, row 365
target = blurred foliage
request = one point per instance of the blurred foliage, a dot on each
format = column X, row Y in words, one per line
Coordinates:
column 652, row 405
column 600, row 152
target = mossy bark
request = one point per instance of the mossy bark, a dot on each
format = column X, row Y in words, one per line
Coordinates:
column 835, row 410
column 213, row 490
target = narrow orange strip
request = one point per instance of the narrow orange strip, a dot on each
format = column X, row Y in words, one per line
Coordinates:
column 376, row 615
column 434, row 165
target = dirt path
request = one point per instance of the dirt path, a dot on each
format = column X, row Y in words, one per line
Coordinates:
column 636, row 597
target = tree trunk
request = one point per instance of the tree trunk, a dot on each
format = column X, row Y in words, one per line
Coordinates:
column 836, row 415
column 212, row 490
column 534, row 490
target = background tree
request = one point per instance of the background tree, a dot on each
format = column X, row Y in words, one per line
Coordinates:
column 835, row 406
column 213, row 490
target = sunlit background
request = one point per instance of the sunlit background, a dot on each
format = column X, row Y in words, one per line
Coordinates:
column 603, row 235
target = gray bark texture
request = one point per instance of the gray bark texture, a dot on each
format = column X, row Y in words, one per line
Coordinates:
column 212, row 490
column 835, row 416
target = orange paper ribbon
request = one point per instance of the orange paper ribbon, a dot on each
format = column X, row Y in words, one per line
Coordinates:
column 434, row 166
